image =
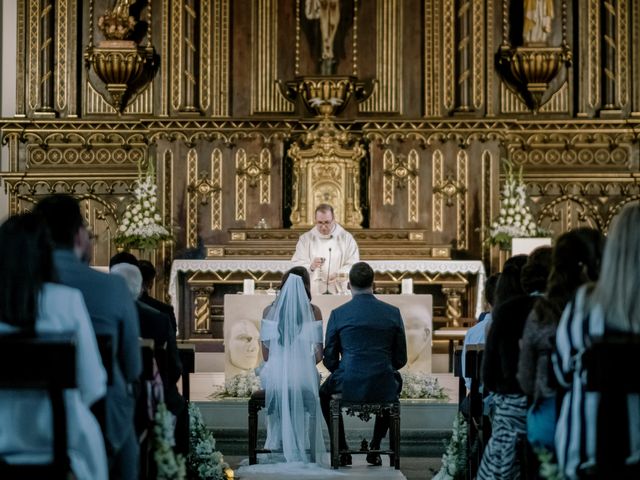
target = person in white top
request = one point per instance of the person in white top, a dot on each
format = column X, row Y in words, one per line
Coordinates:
column 328, row 251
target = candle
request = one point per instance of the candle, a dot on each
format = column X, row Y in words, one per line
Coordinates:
column 248, row 287
column 407, row 286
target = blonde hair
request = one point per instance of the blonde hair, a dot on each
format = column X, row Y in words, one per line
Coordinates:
column 619, row 283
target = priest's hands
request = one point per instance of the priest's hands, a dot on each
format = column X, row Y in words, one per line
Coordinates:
column 317, row 263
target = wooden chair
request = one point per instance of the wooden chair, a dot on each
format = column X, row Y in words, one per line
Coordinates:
column 476, row 438
column 257, row 403
column 46, row 362
column 187, row 352
column 457, row 372
column 609, row 365
column 366, row 408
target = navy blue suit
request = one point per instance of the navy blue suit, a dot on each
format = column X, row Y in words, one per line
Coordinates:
column 365, row 346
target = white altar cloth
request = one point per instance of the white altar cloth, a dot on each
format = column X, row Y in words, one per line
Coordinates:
column 473, row 267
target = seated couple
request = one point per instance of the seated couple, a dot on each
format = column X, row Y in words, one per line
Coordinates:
column 365, row 348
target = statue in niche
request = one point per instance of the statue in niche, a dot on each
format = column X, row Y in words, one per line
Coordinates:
column 538, row 15
column 328, row 14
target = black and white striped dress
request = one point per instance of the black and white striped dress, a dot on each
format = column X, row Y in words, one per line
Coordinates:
column 500, row 459
column 576, row 428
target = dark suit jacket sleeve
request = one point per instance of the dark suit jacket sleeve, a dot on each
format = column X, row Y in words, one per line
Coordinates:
column 129, row 354
column 399, row 358
column 332, row 346
column 175, row 365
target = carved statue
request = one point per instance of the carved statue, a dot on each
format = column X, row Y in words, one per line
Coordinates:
column 538, row 15
column 328, row 13
column 242, row 347
column 116, row 23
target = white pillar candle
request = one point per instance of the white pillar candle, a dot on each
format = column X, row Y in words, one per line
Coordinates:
column 407, row 286
column 248, row 287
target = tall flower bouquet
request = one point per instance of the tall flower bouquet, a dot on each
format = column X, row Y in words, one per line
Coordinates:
column 204, row 462
column 515, row 218
column 454, row 460
column 170, row 466
column 141, row 224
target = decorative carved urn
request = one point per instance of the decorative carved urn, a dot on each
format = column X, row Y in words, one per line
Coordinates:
column 531, row 69
column 124, row 66
column 326, row 96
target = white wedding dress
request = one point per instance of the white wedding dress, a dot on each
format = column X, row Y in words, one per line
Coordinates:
column 290, row 379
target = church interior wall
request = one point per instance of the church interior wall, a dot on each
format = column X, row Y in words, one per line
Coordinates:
column 439, row 97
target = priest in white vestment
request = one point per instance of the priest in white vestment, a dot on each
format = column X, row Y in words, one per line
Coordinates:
column 328, row 251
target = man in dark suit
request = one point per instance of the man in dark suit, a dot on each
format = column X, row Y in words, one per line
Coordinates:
column 112, row 313
column 365, row 346
column 148, row 277
column 156, row 325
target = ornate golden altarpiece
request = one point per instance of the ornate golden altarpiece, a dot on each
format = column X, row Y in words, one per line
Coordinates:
column 255, row 110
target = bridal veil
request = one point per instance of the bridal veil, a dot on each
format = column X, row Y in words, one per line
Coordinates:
column 290, row 378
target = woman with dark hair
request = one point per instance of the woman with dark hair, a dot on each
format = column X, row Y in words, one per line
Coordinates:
column 575, row 261
column 611, row 307
column 500, row 459
column 30, row 303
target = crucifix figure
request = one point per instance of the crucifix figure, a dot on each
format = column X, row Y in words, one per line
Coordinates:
column 328, row 13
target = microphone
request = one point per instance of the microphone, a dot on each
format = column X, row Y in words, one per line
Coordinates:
column 326, row 292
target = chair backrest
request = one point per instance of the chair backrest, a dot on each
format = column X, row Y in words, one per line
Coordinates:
column 46, row 362
column 608, row 367
column 187, row 352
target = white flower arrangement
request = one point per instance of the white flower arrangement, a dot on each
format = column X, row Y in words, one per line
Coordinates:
column 204, row 461
column 454, row 460
column 141, row 224
column 515, row 218
column 421, row 385
column 170, row 466
column 241, row 385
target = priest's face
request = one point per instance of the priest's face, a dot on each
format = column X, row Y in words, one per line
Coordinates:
column 324, row 222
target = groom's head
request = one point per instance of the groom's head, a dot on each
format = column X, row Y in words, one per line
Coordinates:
column 361, row 278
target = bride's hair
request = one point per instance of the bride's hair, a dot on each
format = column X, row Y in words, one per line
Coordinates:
column 302, row 273
column 297, row 316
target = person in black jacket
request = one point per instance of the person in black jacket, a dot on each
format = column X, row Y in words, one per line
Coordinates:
column 148, row 277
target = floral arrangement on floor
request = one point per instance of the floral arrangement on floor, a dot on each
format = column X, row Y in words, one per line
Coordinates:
column 421, row 385
column 515, row 218
column 241, row 385
column 549, row 468
column 140, row 225
column 204, row 461
column 170, row 466
column 454, row 460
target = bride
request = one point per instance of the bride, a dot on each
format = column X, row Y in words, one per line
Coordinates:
column 291, row 337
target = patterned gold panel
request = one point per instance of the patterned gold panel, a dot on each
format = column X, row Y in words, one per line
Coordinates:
column 388, row 93
column 33, row 71
column 490, row 48
column 164, row 66
column 265, row 95
column 593, row 56
column 95, row 104
column 478, row 53
column 413, row 187
column 176, row 50
column 354, row 41
column 448, row 54
column 202, row 310
column 216, row 195
column 168, row 198
column 76, row 156
column 265, row 180
column 558, row 103
column 486, row 196
column 241, row 185
column 205, row 54
column 429, row 77
column 192, row 196
column 463, row 201
column 62, row 33
column 622, row 52
column 388, row 160
column 437, row 203
column 220, row 74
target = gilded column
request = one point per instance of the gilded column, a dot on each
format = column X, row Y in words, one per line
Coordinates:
column 609, row 54
column 464, row 55
column 191, row 54
column 46, row 55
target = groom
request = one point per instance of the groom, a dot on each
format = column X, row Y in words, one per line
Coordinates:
column 365, row 346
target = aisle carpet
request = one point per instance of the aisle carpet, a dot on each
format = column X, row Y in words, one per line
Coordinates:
column 359, row 470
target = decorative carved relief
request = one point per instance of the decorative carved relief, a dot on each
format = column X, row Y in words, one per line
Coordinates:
column 241, row 185
column 192, row 199
column 326, row 168
column 463, row 201
column 401, row 171
column 437, row 203
column 216, row 193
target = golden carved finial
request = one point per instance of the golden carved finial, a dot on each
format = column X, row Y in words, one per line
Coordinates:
column 116, row 23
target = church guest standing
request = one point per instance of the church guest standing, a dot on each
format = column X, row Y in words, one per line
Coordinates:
column 611, row 307
column 365, row 346
column 326, row 249
column 148, row 277
column 575, row 261
column 113, row 313
column 30, row 303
